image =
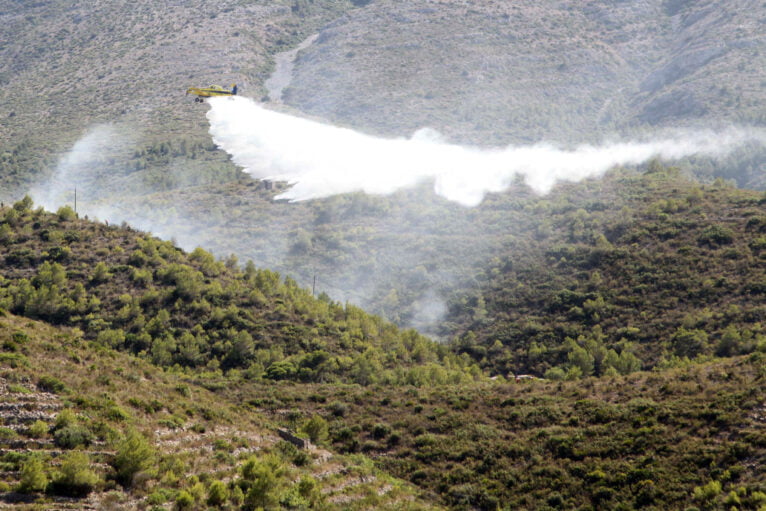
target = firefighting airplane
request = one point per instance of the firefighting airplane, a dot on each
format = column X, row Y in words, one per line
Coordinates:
column 209, row 92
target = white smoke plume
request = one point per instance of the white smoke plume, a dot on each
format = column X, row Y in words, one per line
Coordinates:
column 92, row 155
column 320, row 160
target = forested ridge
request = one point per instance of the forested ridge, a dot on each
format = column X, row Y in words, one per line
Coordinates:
column 639, row 270
column 131, row 291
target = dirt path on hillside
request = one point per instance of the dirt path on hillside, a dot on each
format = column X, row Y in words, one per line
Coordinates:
column 283, row 72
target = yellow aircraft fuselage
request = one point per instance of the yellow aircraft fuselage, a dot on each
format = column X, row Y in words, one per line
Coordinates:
column 212, row 91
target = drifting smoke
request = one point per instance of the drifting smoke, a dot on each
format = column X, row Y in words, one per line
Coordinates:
column 92, row 157
column 321, row 160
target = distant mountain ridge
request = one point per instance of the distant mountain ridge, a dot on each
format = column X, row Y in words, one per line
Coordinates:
column 488, row 73
column 502, row 72
column 66, row 66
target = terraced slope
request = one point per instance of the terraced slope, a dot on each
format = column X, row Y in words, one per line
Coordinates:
column 61, row 397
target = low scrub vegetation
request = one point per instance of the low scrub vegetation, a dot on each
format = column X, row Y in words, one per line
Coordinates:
column 129, row 291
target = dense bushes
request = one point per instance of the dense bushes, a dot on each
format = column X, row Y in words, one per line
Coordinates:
column 132, row 292
column 668, row 439
column 663, row 270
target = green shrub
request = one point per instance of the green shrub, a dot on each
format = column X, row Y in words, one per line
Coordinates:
column 66, row 213
column 316, row 429
column 338, row 409
column 159, row 496
column 20, row 337
column 117, row 413
column 51, row 384
column 75, row 477
column 33, row 477
column 706, row 493
column 716, row 235
column 18, row 389
column 263, row 477
column 66, row 417
column 14, row 360
column 217, row 494
column 381, row 430
column 7, row 434
column 38, row 429
column 72, row 436
column 134, row 455
column 184, row 500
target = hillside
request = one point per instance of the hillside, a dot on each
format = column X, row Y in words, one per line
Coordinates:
column 168, row 320
column 70, row 409
column 636, row 271
column 133, row 292
column 493, row 73
column 678, row 439
column 499, row 72
column 422, row 261
column 490, row 74
column 85, row 427
column 68, row 67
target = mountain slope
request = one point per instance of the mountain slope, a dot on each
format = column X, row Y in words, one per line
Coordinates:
column 133, row 292
column 646, row 250
column 499, row 72
column 67, row 67
column 693, row 437
column 73, row 408
column 654, row 266
column 489, row 73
